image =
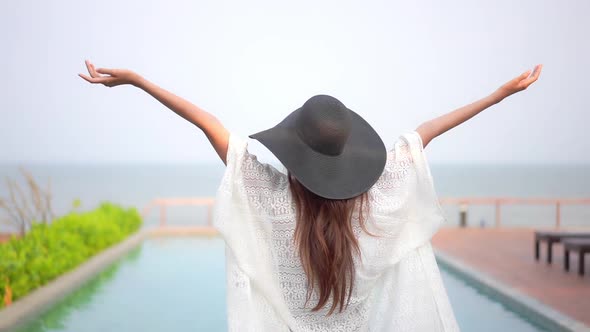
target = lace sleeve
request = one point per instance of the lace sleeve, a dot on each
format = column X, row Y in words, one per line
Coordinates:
column 251, row 280
column 408, row 142
column 404, row 203
column 263, row 185
column 396, row 188
column 414, row 141
column 428, row 212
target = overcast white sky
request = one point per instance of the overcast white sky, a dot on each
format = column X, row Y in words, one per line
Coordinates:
column 252, row 62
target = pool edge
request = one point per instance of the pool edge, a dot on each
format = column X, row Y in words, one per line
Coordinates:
column 514, row 299
column 43, row 297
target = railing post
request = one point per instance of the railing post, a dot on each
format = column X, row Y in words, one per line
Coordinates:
column 463, row 215
column 146, row 211
column 497, row 213
column 162, row 215
column 558, row 215
column 209, row 213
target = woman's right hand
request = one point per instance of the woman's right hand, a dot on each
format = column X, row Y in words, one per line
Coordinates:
column 520, row 82
column 110, row 77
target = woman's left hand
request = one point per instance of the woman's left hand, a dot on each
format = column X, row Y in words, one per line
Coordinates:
column 110, row 77
column 520, row 82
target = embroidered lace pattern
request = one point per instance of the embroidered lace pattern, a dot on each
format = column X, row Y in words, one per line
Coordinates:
column 397, row 285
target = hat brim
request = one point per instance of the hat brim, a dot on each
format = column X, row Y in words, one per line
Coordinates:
column 344, row 176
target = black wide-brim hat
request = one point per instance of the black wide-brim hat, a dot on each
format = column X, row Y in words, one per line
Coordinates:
column 329, row 149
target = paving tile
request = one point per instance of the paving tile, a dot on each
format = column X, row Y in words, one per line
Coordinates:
column 507, row 254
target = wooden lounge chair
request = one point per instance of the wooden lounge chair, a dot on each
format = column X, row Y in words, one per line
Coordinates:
column 554, row 237
column 582, row 246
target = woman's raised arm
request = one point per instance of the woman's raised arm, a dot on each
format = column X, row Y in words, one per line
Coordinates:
column 210, row 125
column 432, row 128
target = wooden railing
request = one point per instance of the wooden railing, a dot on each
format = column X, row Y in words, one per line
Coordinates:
column 163, row 203
column 498, row 202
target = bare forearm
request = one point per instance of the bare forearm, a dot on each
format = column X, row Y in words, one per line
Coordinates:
column 432, row 128
column 180, row 106
column 454, row 118
column 437, row 126
column 209, row 124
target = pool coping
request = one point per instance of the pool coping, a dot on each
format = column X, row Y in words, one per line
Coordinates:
column 512, row 297
column 43, row 297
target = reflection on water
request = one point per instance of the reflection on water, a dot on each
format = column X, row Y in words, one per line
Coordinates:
column 169, row 284
column 55, row 318
column 477, row 310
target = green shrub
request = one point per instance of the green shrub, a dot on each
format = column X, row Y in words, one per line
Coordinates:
column 48, row 251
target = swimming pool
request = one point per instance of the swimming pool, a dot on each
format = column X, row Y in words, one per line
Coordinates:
column 178, row 284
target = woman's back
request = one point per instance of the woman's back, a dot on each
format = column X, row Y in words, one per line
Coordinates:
column 396, row 280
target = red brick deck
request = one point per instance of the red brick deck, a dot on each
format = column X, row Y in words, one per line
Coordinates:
column 508, row 256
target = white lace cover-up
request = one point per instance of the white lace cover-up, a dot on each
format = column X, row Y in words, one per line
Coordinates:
column 398, row 286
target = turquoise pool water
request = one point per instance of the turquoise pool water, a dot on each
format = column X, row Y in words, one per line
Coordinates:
column 178, row 284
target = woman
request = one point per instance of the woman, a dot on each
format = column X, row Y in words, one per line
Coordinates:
column 342, row 241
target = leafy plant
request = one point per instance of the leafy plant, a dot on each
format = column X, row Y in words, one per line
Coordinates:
column 49, row 250
column 76, row 203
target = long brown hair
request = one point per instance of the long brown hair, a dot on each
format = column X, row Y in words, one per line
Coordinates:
column 327, row 244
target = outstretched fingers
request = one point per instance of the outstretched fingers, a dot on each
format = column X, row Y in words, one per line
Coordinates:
column 524, row 75
column 95, row 75
column 106, row 71
column 91, row 69
column 534, row 76
column 97, row 79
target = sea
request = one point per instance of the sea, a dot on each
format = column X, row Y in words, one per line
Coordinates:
column 136, row 185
